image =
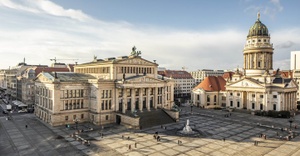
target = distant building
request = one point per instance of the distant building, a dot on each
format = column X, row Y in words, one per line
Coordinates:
column 184, row 82
column 295, row 60
column 25, row 82
column 257, row 88
column 210, row 93
column 295, row 67
column 200, row 75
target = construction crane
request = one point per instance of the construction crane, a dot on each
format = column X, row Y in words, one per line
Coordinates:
column 61, row 59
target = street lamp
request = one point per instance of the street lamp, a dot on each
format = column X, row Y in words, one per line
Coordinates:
column 76, row 123
column 291, row 121
column 191, row 106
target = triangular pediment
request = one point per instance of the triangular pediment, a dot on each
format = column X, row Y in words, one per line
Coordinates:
column 136, row 61
column 246, row 83
column 291, row 84
column 44, row 77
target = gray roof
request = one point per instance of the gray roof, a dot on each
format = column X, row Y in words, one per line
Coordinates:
column 69, row 76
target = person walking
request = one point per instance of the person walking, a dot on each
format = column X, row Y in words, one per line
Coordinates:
column 26, row 126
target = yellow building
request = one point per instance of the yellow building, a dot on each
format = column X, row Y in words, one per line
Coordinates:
column 103, row 91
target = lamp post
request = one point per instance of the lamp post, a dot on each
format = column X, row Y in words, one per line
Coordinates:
column 291, row 121
column 191, row 106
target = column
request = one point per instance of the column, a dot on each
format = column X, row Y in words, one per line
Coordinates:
column 141, row 99
column 155, row 98
column 133, row 99
column 148, row 99
column 124, row 104
column 116, row 102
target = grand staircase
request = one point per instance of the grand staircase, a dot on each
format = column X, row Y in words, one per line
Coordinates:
column 154, row 118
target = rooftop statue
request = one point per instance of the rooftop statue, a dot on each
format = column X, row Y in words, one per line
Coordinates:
column 134, row 52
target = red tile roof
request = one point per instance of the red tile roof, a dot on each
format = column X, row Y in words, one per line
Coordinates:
column 176, row 74
column 50, row 69
column 228, row 75
column 212, row 83
column 285, row 74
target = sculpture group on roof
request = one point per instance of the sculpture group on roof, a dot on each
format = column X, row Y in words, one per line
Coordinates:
column 134, row 52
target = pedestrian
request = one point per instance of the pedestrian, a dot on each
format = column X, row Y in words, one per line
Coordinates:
column 122, row 136
column 223, row 139
column 26, row 126
column 161, row 126
column 229, row 114
column 157, row 139
column 265, row 137
column 178, row 142
column 135, row 145
column 277, row 133
column 154, row 136
column 129, row 147
column 128, row 138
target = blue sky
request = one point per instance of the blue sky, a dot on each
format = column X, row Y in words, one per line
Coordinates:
column 197, row 34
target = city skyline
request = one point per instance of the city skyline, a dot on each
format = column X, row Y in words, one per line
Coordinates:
column 196, row 35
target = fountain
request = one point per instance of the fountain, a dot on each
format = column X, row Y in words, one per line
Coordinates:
column 187, row 130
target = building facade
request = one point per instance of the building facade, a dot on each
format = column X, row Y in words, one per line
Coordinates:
column 103, row 91
column 210, row 93
column 295, row 60
column 184, row 83
column 257, row 88
column 200, row 75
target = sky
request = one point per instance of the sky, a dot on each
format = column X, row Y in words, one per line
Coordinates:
column 195, row 34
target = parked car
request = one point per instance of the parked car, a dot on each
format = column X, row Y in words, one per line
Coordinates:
column 22, row 111
column 5, row 112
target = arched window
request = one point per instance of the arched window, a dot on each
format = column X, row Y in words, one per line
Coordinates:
column 208, row 98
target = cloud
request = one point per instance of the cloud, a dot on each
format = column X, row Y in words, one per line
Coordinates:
column 46, row 7
column 277, row 4
column 270, row 9
column 52, row 35
column 287, row 44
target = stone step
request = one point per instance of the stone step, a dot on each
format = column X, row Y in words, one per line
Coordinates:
column 154, row 118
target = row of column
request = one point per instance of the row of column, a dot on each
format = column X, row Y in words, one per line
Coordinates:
column 289, row 101
column 154, row 97
column 251, row 61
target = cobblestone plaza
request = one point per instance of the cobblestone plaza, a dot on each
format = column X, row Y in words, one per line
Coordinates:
column 239, row 130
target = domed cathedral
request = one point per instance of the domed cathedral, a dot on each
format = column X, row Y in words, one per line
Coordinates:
column 257, row 88
column 258, row 51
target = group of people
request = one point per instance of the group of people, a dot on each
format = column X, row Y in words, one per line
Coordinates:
column 156, row 136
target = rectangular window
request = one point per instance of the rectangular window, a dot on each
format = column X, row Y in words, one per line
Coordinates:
column 261, row 96
column 74, row 117
column 274, row 107
column 66, row 118
column 238, row 94
column 231, row 103
column 238, row 104
column 253, row 95
column 253, row 105
column 275, row 96
column 261, row 107
column 106, row 117
column 82, row 116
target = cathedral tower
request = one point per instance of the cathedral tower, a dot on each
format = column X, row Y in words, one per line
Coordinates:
column 258, row 51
